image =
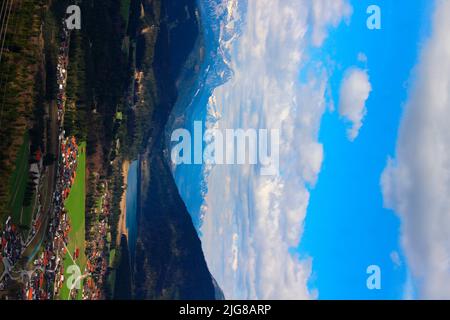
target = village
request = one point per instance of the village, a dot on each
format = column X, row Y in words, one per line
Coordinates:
column 38, row 260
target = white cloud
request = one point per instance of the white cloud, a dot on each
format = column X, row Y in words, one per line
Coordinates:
column 354, row 92
column 362, row 57
column 416, row 184
column 408, row 289
column 395, row 258
column 250, row 221
column 326, row 13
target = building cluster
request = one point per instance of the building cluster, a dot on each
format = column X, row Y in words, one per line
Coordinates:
column 11, row 247
column 48, row 277
column 97, row 252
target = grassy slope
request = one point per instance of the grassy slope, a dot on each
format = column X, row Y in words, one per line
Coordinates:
column 75, row 205
column 27, row 214
column 18, row 181
column 125, row 11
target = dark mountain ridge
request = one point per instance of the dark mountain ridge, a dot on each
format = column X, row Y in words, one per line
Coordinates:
column 169, row 262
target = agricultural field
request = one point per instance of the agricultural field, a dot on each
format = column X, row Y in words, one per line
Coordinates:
column 21, row 214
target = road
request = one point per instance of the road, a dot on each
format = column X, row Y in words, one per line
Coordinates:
column 33, row 245
column 50, row 177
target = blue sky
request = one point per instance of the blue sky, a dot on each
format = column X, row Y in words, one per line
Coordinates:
column 347, row 228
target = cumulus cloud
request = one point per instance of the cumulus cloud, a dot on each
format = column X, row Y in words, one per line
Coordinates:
column 326, row 13
column 251, row 221
column 362, row 57
column 395, row 258
column 416, row 183
column 354, row 92
column 408, row 289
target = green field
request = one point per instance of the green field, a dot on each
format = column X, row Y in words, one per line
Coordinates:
column 27, row 212
column 75, row 205
column 21, row 215
column 125, row 11
column 18, row 182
